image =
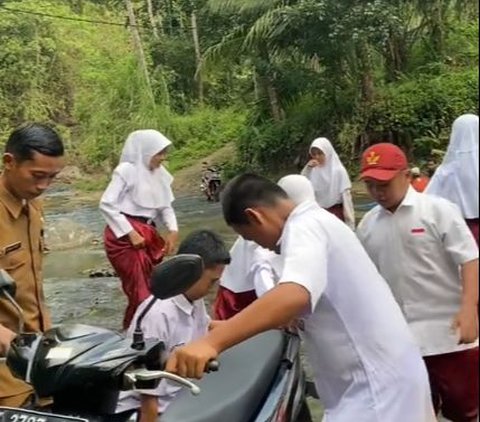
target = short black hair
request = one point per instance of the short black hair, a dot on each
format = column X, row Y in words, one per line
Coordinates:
column 246, row 191
column 208, row 245
column 34, row 137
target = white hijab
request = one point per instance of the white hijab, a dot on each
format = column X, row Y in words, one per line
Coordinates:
column 331, row 180
column 150, row 189
column 457, row 177
column 298, row 188
column 246, row 255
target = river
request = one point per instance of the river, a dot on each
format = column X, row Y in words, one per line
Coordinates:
column 73, row 232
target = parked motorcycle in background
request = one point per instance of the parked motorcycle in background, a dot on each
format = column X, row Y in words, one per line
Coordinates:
column 211, row 182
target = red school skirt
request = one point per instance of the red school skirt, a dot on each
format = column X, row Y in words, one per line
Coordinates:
column 337, row 210
column 473, row 226
column 134, row 266
column 227, row 303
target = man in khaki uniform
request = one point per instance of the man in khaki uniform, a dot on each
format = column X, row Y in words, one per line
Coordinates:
column 33, row 157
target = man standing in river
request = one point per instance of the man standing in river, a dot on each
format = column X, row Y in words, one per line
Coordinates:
column 33, row 157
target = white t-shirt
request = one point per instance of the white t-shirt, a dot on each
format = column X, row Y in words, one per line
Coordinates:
column 176, row 322
column 366, row 364
column 419, row 250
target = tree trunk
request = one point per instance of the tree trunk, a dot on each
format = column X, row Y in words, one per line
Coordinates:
column 438, row 27
column 272, row 93
column 366, row 73
column 395, row 57
column 256, row 84
column 137, row 44
column 198, row 56
column 151, row 17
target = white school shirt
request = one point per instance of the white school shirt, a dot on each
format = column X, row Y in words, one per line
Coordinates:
column 117, row 200
column 366, row 365
column 176, row 322
column 419, row 250
column 253, row 268
column 265, row 270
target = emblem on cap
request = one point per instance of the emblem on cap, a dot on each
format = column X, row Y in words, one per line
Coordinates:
column 372, row 158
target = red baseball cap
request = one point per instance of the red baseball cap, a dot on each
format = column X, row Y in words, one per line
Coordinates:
column 383, row 162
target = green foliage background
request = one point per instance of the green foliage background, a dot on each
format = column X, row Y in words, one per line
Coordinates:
column 274, row 75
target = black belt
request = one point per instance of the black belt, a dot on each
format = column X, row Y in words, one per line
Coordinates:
column 144, row 220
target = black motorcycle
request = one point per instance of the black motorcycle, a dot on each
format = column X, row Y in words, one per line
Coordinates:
column 84, row 368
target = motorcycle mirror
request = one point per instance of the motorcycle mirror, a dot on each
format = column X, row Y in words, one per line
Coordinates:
column 175, row 276
column 7, row 284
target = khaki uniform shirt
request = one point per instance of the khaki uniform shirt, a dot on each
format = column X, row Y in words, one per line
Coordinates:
column 21, row 244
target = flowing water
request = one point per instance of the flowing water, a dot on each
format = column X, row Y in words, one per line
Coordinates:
column 73, row 233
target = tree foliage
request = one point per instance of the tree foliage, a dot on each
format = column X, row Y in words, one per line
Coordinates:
column 267, row 74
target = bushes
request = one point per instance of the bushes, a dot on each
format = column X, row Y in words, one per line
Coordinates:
column 419, row 112
column 201, row 133
column 416, row 113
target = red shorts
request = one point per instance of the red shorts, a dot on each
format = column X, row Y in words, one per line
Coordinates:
column 454, row 384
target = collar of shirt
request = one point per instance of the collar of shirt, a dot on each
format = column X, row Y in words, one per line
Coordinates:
column 184, row 304
column 300, row 208
column 410, row 200
column 12, row 204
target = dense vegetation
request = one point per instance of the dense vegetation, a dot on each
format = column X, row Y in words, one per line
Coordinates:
column 267, row 74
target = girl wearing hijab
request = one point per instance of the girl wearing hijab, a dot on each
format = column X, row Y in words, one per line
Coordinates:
column 254, row 270
column 330, row 181
column 457, row 177
column 138, row 199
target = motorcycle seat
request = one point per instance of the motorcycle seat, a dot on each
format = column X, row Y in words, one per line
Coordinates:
column 236, row 391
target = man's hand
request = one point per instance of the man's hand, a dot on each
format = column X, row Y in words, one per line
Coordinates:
column 171, row 240
column 466, row 324
column 6, row 337
column 137, row 241
column 190, row 361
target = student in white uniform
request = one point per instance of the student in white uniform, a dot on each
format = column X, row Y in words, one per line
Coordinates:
column 177, row 321
column 457, row 177
column 137, row 201
column 425, row 251
column 255, row 270
column 366, row 365
column 330, row 181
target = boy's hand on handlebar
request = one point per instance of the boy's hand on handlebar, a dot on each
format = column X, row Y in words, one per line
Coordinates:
column 191, row 361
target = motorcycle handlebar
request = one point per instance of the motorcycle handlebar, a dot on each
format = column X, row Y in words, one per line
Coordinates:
column 144, row 375
column 212, row 366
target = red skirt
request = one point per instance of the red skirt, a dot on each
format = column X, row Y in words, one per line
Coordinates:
column 134, row 266
column 228, row 304
column 337, row 210
column 473, row 225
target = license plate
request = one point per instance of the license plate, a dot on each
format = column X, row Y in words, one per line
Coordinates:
column 20, row 415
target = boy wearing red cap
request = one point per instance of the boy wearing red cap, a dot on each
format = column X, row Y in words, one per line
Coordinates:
column 425, row 251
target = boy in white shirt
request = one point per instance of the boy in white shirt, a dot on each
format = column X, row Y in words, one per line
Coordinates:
column 366, row 365
column 177, row 321
column 254, row 270
column 426, row 253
